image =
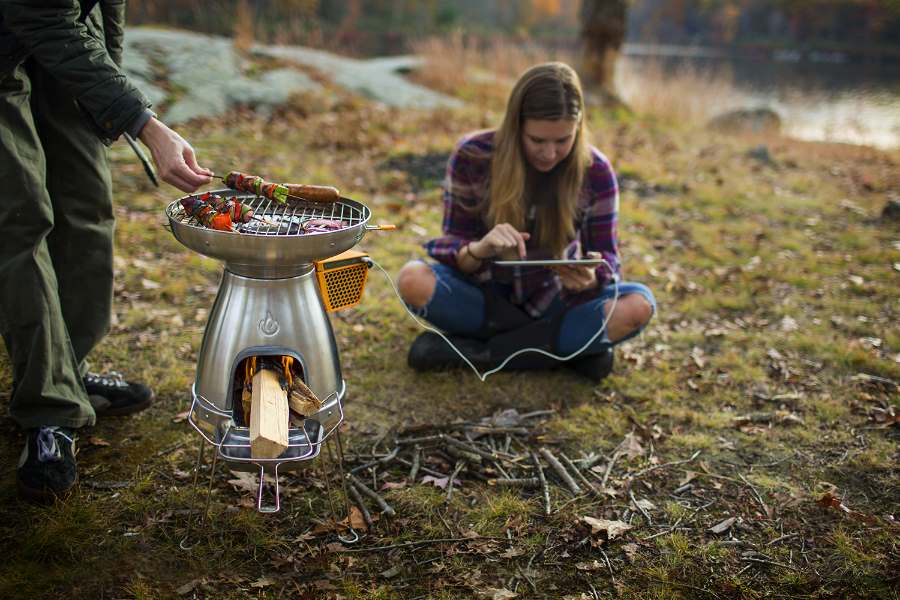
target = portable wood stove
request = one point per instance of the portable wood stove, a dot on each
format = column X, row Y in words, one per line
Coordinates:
column 271, row 304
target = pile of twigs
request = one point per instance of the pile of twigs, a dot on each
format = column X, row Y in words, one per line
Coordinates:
column 504, row 451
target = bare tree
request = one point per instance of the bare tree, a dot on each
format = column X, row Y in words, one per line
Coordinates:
column 602, row 34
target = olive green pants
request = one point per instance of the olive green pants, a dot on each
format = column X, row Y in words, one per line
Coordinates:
column 56, row 238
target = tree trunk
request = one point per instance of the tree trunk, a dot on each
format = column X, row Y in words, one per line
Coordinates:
column 602, row 33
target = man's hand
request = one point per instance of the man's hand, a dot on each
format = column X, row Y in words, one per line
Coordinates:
column 503, row 240
column 174, row 157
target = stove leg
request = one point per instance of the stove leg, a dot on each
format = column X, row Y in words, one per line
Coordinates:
column 190, row 517
column 259, row 496
column 339, row 448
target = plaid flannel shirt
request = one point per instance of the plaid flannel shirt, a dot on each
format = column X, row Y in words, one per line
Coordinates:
column 533, row 288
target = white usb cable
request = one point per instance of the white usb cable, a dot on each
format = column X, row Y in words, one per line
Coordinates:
column 486, row 374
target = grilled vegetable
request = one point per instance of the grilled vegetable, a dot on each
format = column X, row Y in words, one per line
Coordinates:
column 206, row 214
column 240, row 213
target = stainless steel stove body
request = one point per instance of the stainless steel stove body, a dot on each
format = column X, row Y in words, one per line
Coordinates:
column 269, row 304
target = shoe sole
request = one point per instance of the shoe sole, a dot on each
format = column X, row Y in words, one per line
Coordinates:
column 126, row 410
column 42, row 495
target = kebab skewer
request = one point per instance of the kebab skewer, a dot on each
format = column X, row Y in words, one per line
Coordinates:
column 206, row 213
column 280, row 192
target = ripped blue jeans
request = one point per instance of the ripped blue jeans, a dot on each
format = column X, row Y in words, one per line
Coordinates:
column 457, row 307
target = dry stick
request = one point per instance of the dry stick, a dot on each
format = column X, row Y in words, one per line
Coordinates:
column 463, row 446
column 543, row 480
column 420, row 440
column 466, row 455
column 378, row 461
column 424, row 543
column 584, row 480
column 492, row 430
column 453, row 442
column 500, row 469
column 403, row 461
column 589, row 461
column 537, row 413
column 664, row 465
column 782, row 538
column 640, row 508
column 354, row 493
column 609, row 565
column 768, row 562
column 609, row 467
column 527, row 482
column 385, row 507
column 758, row 497
column 459, row 466
column 414, row 469
column 561, row 471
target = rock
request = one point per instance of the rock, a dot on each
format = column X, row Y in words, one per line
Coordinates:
column 761, row 153
column 377, row 78
column 756, row 120
column 205, row 75
column 891, row 211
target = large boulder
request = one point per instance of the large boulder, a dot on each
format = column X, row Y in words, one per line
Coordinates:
column 747, row 120
column 891, row 211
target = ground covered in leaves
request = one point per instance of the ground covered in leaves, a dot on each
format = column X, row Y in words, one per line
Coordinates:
column 745, row 446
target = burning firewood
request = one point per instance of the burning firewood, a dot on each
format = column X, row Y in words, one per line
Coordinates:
column 302, row 399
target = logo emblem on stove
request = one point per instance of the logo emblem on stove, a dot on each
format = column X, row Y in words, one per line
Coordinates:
column 268, row 326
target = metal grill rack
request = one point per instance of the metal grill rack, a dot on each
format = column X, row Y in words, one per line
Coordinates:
column 272, row 218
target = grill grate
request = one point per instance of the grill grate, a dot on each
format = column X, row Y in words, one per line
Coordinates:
column 290, row 218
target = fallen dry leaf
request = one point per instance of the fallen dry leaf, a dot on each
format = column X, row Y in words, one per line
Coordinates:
column 392, row 485
column 631, row 551
column 188, row 587
column 263, row 582
column 356, row 519
column 512, row 553
column 97, row 441
column 392, row 572
column 589, row 566
column 723, row 526
column 645, row 504
column 440, row 482
column 689, row 476
column 631, row 447
column 244, row 481
column 697, row 355
column 499, row 594
column 612, row 529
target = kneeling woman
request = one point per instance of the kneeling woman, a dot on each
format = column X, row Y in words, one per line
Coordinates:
column 533, row 189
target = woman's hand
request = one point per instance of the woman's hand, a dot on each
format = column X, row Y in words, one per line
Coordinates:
column 503, row 241
column 575, row 278
column 174, row 157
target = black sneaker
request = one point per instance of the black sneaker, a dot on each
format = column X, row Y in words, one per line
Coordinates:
column 429, row 352
column 111, row 395
column 595, row 367
column 47, row 467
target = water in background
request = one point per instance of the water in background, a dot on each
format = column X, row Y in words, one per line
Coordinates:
column 820, row 98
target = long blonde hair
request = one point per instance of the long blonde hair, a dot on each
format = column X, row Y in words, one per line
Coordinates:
column 549, row 91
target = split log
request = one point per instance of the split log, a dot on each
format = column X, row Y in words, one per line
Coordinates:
column 303, row 401
column 268, row 416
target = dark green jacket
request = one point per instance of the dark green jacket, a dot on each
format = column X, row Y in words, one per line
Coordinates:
column 83, row 52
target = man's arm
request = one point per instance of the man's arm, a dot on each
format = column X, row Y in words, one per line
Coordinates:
column 61, row 44
column 113, row 12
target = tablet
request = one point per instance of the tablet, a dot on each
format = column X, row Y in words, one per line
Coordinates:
column 584, row 262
